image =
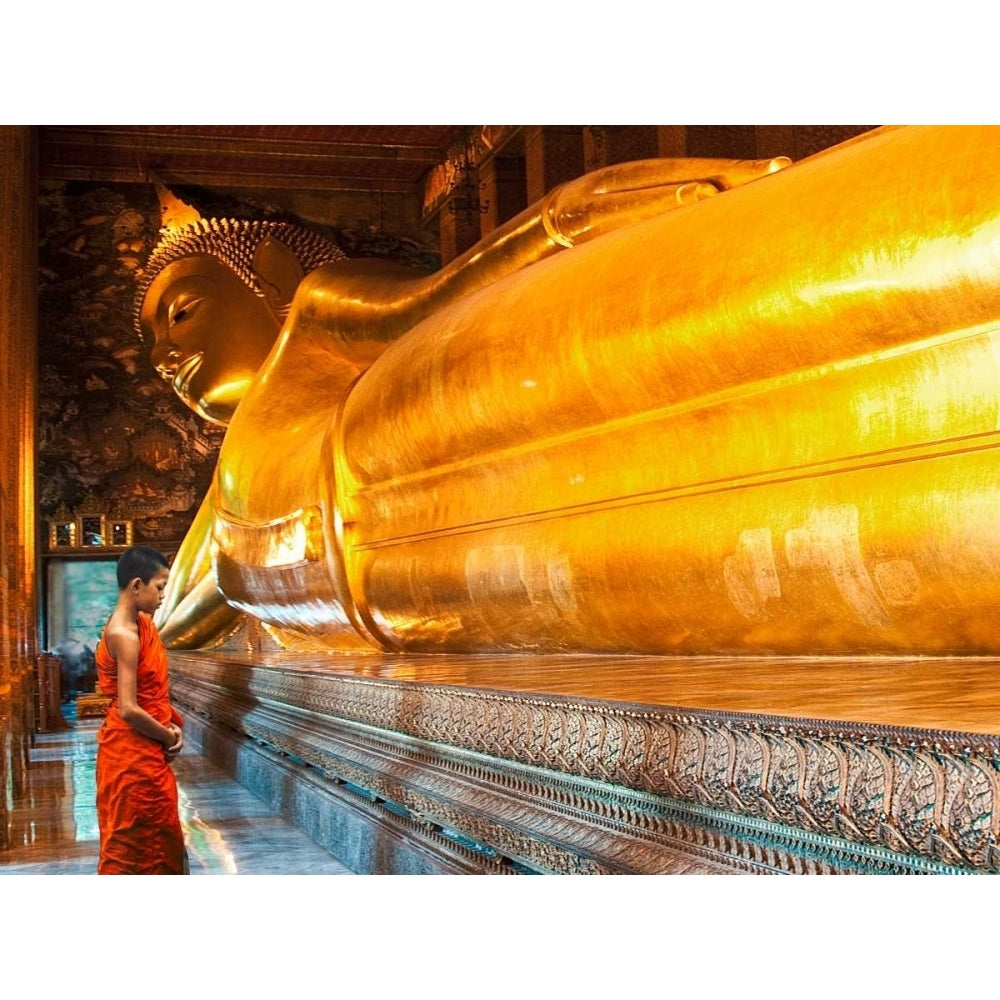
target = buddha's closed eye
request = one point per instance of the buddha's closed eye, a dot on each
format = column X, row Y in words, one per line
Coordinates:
column 183, row 308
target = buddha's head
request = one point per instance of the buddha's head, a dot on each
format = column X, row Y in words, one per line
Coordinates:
column 213, row 297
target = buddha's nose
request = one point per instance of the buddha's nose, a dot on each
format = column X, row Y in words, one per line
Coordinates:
column 166, row 357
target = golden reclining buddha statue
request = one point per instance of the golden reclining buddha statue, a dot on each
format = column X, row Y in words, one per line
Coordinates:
column 676, row 407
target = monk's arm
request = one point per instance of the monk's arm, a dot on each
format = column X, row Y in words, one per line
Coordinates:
column 126, row 652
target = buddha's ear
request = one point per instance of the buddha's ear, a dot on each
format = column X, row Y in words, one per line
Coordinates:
column 279, row 273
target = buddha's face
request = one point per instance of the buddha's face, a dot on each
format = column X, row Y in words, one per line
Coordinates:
column 210, row 333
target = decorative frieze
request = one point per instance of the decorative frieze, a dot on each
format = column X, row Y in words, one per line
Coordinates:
column 573, row 784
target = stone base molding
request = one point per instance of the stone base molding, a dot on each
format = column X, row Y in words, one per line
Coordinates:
column 463, row 779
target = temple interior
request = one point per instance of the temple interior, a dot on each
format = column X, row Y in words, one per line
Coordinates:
column 540, row 499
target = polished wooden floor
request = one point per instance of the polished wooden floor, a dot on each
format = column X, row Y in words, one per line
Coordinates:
column 228, row 831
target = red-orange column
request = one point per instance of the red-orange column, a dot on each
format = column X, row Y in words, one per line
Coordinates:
column 18, row 390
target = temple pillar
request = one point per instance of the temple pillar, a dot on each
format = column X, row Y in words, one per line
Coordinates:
column 459, row 222
column 604, row 145
column 727, row 141
column 553, row 154
column 18, row 390
column 671, row 140
column 775, row 140
column 503, row 187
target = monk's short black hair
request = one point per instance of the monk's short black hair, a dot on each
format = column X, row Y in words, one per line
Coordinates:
column 142, row 562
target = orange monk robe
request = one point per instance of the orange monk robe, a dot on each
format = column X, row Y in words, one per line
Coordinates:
column 136, row 790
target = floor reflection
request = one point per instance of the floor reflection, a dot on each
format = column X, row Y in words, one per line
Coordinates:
column 228, row 831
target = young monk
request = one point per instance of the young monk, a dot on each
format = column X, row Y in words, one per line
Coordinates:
column 141, row 735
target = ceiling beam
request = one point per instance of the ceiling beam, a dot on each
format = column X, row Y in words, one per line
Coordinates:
column 125, row 154
column 172, row 144
column 230, row 178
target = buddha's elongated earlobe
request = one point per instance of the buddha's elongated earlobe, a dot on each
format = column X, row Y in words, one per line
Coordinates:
column 278, row 273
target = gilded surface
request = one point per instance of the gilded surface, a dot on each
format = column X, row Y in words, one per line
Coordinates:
column 677, row 406
column 211, row 331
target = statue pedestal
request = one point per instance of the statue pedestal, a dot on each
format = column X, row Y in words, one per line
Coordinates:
column 623, row 765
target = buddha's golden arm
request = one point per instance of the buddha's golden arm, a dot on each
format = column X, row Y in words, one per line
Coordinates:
column 365, row 305
column 767, row 425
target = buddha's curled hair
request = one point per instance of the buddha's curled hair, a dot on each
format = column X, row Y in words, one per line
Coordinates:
column 234, row 242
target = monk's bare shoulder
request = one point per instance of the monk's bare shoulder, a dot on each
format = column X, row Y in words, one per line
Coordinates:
column 120, row 636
